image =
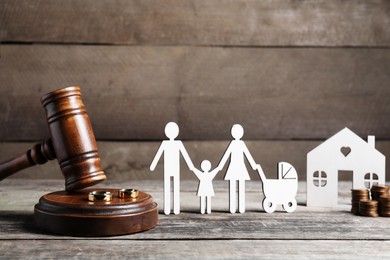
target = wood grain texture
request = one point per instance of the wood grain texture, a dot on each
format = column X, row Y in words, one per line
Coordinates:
column 130, row 161
column 132, row 92
column 190, row 22
column 305, row 225
column 219, row 249
column 18, row 199
column 307, row 233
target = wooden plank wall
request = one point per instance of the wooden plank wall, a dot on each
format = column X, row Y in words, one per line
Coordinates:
column 289, row 71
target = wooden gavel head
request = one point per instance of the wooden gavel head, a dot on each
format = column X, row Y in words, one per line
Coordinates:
column 72, row 138
column 72, row 142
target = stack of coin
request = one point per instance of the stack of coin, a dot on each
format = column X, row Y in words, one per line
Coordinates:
column 368, row 208
column 384, row 205
column 379, row 190
column 358, row 195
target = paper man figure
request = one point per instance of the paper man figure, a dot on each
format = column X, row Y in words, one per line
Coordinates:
column 172, row 149
column 205, row 188
column 237, row 171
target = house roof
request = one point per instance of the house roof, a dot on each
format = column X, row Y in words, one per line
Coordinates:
column 346, row 137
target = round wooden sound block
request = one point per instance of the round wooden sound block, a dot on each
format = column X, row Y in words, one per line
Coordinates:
column 71, row 213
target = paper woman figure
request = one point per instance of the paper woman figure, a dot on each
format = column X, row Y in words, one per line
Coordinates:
column 237, row 151
column 205, row 187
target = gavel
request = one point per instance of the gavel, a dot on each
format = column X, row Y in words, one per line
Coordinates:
column 72, row 142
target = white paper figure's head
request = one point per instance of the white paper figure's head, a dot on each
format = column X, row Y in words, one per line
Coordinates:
column 205, row 165
column 237, row 131
column 171, row 130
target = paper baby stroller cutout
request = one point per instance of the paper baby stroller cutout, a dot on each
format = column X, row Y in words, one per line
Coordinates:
column 281, row 191
column 205, row 187
column 172, row 149
column 343, row 153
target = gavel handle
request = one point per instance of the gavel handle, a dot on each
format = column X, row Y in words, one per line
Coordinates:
column 38, row 154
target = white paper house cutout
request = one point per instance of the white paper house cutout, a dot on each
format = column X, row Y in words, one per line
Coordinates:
column 343, row 152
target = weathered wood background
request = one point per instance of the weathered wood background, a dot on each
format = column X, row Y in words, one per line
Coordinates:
column 291, row 72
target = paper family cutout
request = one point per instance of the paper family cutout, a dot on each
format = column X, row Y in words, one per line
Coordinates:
column 343, row 153
column 280, row 191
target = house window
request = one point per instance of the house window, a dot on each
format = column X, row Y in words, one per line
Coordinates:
column 319, row 178
column 370, row 179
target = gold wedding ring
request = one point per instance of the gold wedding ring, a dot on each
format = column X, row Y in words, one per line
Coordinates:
column 128, row 193
column 100, row 196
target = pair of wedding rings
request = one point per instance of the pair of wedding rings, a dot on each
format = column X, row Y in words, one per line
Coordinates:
column 107, row 195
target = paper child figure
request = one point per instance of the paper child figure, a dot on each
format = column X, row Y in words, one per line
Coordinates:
column 205, row 187
column 172, row 149
column 237, row 171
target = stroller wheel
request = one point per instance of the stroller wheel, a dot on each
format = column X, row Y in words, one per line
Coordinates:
column 268, row 206
column 290, row 206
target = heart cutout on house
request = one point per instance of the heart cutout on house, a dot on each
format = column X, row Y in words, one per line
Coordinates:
column 345, row 150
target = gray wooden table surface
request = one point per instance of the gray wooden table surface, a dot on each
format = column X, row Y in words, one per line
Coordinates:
column 311, row 233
